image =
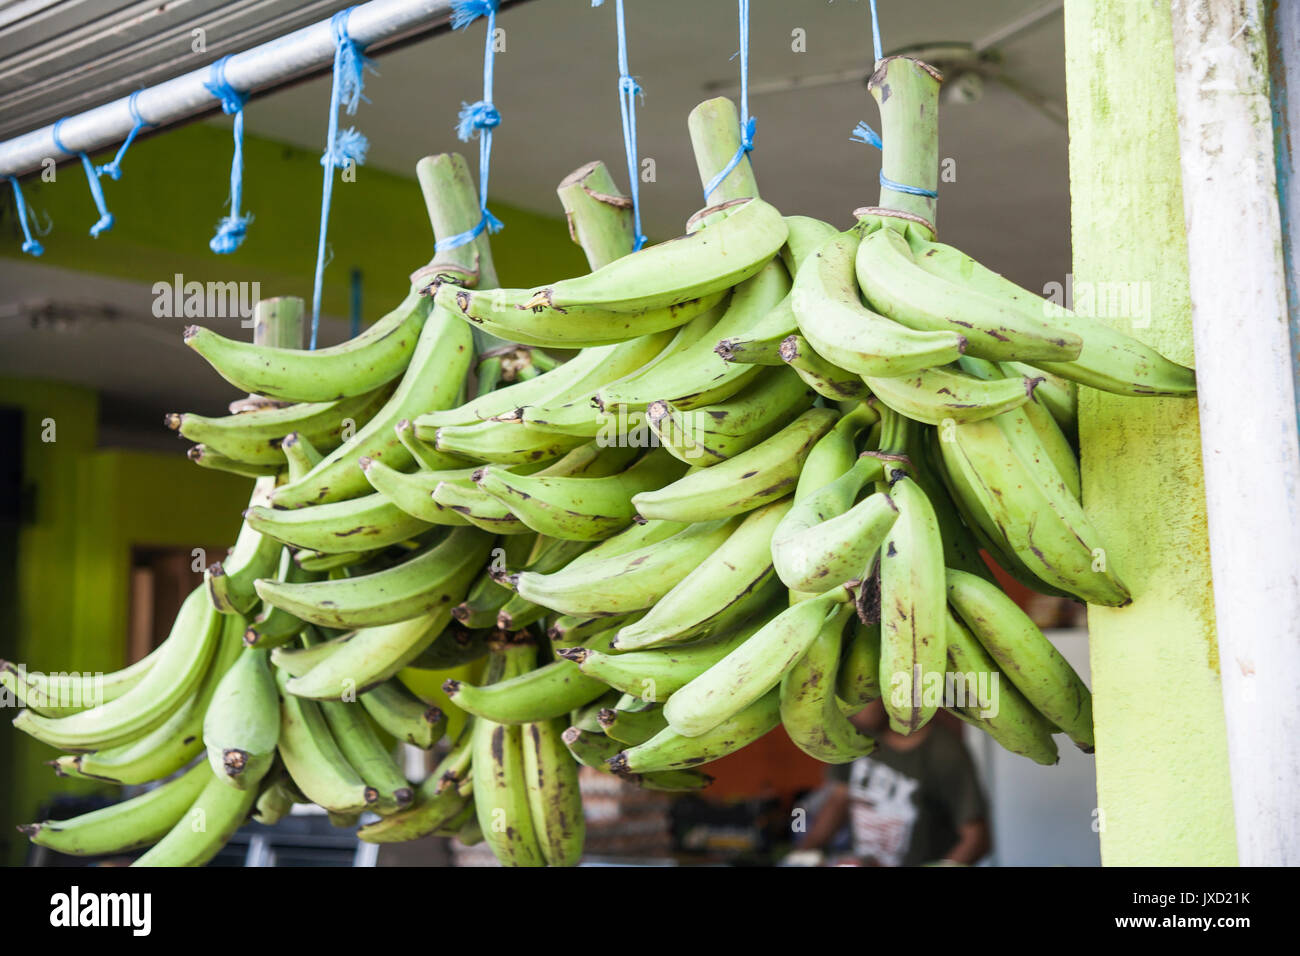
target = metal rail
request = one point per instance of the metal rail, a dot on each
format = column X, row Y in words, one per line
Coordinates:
column 264, row 67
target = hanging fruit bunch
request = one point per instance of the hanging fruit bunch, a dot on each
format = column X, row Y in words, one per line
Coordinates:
column 760, row 493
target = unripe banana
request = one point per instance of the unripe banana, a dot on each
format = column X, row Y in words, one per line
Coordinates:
column 696, row 375
column 124, row 826
column 368, row 756
column 362, row 364
column 242, row 723
column 403, row 715
column 1110, row 360
column 554, row 798
column 368, row 522
column 817, row 545
column 170, row 682
column 825, row 378
column 858, row 681
column 1032, row 511
column 313, row 759
column 937, row 396
column 669, row 750
column 416, row 586
column 832, row 318
column 632, row 727
column 432, row 380
column 500, row 789
column 1028, row 659
column 732, row 582
column 173, row 743
column 654, row 675
column 762, row 474
column 626, row 582
column 713, row 433
column 542, row 694
column 810, row 713
column 300, row 454
column 805, row 236
column 752, row 669
column 896, row 284
column 255, row 555
column 437, row 800
column 256, row 436
column 578, row 508
column 206, row 826
column 992, row 703
column 413, row 493
column 913, row 608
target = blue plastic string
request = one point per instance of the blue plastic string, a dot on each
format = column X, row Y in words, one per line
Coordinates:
column 341, row 148
column 231, row 229
column 477, row 119
column 747, row 122
column 30, row 245
column 875, row 32
column 628, row 91
column 863, row 133
column 105, row 221
column 113, row 169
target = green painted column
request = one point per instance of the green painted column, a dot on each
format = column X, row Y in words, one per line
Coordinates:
column 1163, row 788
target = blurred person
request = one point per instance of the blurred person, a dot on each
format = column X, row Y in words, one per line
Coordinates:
column 915, row 799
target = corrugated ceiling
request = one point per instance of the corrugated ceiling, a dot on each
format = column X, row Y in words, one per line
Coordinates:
column 59, row 57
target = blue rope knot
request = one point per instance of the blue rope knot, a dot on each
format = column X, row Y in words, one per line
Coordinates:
column 105, row 221
column 30, row 245
column 629, row 86
column 475, row 117
column 465, row 12
column 230, row 233
column 352, row 63
column 862, row 133
column 113, row 168
column 232, row 101
column 342, row 147
column 747, row 122
column 231, row 229
column 350, row 146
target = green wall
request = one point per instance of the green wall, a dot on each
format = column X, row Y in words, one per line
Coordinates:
column 73, row 590
column 93, row 505
column 1162, row 769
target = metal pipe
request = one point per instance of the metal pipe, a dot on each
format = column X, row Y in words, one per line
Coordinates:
column 1247, row 399
column 266, row 66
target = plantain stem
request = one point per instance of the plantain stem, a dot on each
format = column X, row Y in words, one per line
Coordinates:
column 600, row 217
column 278, row 322
column 907, row 91
column 452, row 203
column 715, row 137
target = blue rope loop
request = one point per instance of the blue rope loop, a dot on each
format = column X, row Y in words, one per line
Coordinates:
column 113, row 169
column 628, row 90
column 747, row 122
column 341, row 147
column 105, row 221
column 232, row 228
column 862, row 133
column 30, row 245
column 477, row 119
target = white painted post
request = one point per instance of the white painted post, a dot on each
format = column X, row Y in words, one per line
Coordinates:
column 1247, row 402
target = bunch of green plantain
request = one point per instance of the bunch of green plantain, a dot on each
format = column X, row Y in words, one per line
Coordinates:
column 768, row 488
